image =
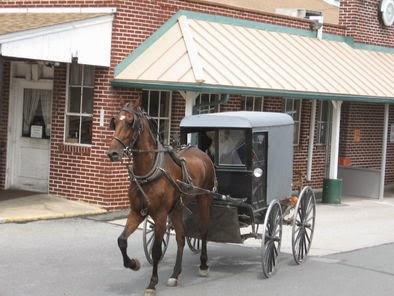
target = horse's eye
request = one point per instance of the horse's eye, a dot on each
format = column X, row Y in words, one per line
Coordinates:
column 112, row 124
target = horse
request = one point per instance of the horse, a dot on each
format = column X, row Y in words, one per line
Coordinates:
column 153, row 189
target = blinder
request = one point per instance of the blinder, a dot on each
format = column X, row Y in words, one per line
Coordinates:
column 112, row 124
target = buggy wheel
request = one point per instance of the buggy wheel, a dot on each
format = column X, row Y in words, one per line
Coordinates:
column 194, row 244
column 271, row 238
column 303, row 224
column 148, row 238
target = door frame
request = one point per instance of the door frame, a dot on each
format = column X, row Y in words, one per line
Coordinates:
column 12, row 132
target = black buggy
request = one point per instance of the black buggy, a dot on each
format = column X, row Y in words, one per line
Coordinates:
column 253, row 157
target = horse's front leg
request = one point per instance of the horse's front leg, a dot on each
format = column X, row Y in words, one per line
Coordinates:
column 133, row 220
column 160, row 228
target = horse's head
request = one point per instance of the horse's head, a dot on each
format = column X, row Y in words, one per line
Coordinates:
column 127, row 127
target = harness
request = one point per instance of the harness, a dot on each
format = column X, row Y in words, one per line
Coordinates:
column 157, row 169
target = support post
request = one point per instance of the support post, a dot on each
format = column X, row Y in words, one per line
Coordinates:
column 336, row 120
column 190, row 98
column 311, row 141
column 384, row 151
column 332, row 187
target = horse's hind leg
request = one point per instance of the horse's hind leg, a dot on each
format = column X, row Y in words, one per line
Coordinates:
column 204, row 205
column 133, row 220
column 160, row 228
column 177, row 221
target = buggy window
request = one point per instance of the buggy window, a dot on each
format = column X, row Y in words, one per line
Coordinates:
column 232, row 150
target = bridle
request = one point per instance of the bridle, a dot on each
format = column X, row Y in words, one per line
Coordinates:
column 137, row 129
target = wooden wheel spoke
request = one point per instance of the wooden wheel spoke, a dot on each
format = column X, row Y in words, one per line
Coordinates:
column 307, row 237
column 310, row 208
column 272, row 258
column 298, row 236
column 150, row 239
column 150, row 230
column 300, row 249
column 309, row 218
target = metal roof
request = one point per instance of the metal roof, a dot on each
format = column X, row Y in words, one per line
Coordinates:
column 239, row 119
column 201, row 52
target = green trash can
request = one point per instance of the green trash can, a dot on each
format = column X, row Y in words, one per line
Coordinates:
column 332, row 191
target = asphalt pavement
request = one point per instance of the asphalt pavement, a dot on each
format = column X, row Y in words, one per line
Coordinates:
column 79, row 256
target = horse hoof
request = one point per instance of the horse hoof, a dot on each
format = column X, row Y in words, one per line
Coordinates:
column 172, row 282
column 150, row 292
column 203, row 272
column 136, row 266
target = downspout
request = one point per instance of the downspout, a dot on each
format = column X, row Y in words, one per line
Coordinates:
column 384, row 151
column 311, row 141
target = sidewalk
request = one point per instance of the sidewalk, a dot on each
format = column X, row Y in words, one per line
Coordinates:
column 22, row 206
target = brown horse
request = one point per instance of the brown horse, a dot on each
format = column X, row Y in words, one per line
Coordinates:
column 153, row 189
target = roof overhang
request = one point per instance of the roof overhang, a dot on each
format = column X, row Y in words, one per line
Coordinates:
column 208, row 53
column 59, row 36
column 239, row 119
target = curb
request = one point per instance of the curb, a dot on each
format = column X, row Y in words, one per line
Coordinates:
column 50, row 217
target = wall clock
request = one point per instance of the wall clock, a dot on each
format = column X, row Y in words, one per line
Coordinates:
column 387, row 12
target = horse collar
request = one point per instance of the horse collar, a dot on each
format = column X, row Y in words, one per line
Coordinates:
column 155, row 172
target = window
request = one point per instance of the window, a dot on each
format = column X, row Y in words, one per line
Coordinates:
column 206, row 103
column 293, row 108
column 79, row 108
column 322, row 115
column 37, row 110
column 158, row 105
column 232, row 147
column 252, row 103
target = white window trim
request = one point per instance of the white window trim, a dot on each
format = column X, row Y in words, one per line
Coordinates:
column 254, row 102
column 319, row 121
column 74, row 114
column 198, row 98
column 157, row 118
column 299, row 117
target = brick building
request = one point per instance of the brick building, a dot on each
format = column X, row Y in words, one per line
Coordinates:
column 66, row 67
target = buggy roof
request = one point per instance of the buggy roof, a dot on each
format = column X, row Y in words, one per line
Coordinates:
column 239, row 119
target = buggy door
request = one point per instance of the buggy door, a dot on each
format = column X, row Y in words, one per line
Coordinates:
column 259, row 166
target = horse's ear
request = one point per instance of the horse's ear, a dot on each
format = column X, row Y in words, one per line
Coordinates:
column 135, row 104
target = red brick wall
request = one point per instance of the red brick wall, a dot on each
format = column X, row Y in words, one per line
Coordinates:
column 363, row 22
column 367, row 152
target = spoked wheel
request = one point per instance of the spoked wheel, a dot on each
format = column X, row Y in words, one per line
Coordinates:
column 271, row 238
column 148, row 238
column 194, row 244
column 303, row 224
